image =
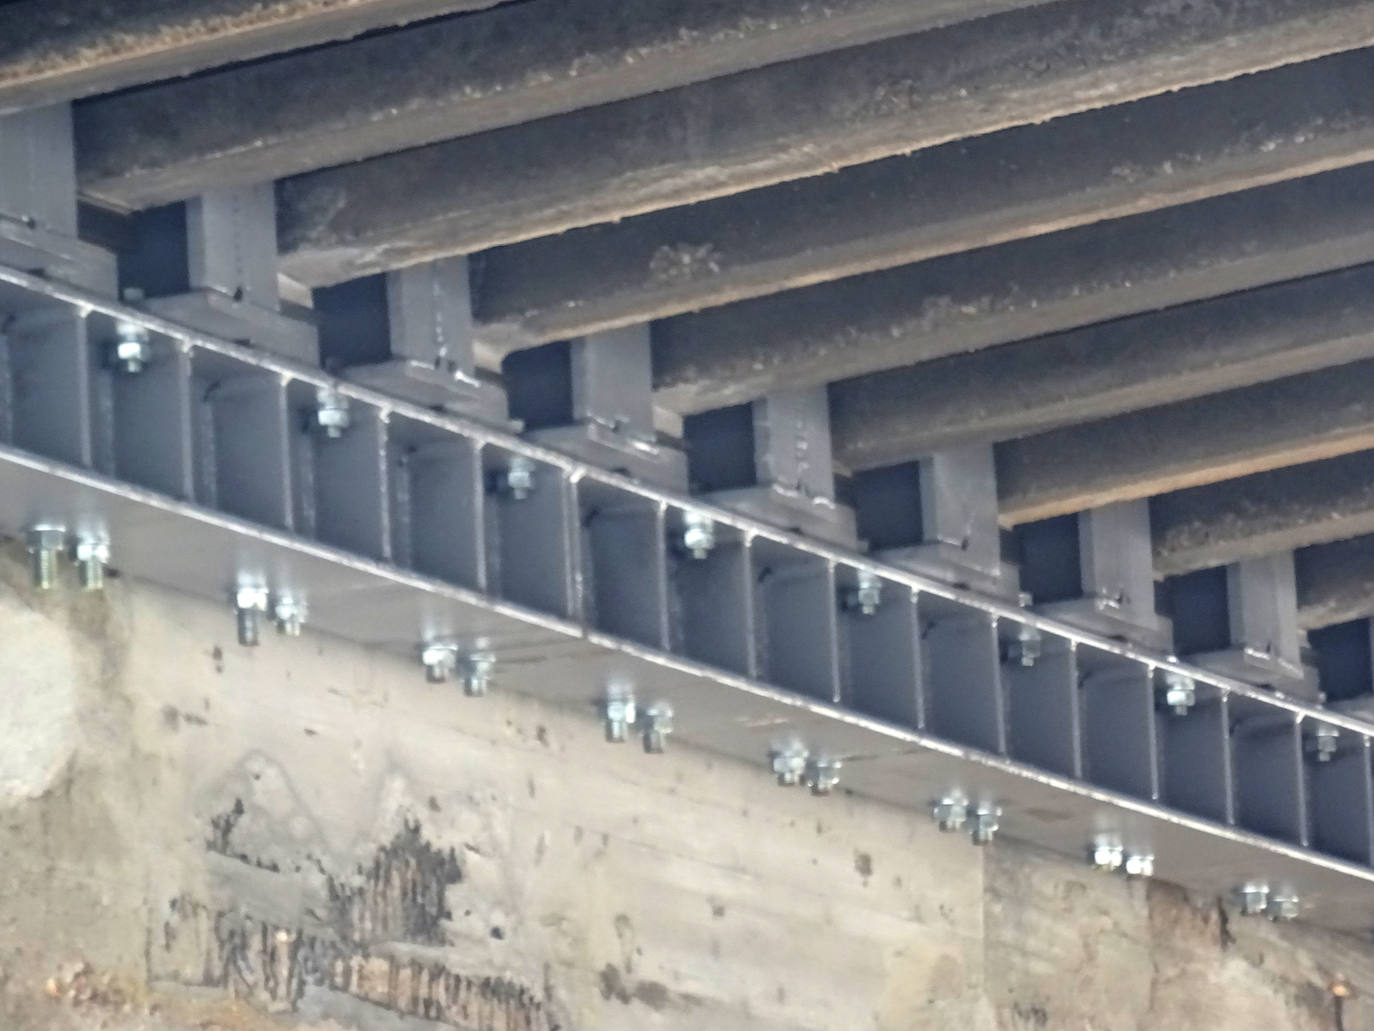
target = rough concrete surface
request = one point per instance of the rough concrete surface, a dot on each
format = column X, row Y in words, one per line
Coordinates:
column 310, row 836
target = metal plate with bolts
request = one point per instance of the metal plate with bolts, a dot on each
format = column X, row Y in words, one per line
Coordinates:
column 410, row 527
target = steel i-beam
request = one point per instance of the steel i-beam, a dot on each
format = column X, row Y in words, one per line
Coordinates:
column 217, row 471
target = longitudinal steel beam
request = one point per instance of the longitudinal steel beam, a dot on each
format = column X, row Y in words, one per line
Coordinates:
column 1335, row 582
column 1127, row 159
column 52, row 50
column 1012, row 391
column 1015, row 291
column 453, row 78
column 820, row 113
column 404, row 529
column 1304, row 418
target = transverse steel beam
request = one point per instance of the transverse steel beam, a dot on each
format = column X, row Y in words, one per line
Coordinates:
column 786, row 122
column 452, row 78
column 53, row 50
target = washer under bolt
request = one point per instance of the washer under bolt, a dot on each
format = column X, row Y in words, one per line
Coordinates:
column 92, row 555
column 984, row 824
column 1106, row 854
column 867, row 593
column 1253, row 897
column 250, row 603
column 517, row 479
column 1284, row 906
column 698, row 534
column 289, row 615
column 1323, row 741
column 618, row 708
column 477, row 670
column 821, row 775
column 658, row 724
column 332, row 416
column 1180, row 692
column 789, row 763
column 46, row 544
column 1139, row 864
column 440, row 660
column 950, row 813
column 132, row 350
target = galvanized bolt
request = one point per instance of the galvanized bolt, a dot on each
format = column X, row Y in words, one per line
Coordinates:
column 440, row 660
column 1028, row 646
column 1284, row 906
column 92, row 555
column 1139, row 865
column 289, row 615
column 250, row 603
column 1253, row 897
column 789, row 763
column 618, row 708
column 950, row 813
column 332, row 416
column 984, row 824
column 45, row 545
column 477, row 671
column 867, row 593
column 517, row 479
column 657, row 725
column 1323, row 741
column 1106, row 854
column 821, row 774
column 132, row 349
column 1180, row 692
column 698, row 534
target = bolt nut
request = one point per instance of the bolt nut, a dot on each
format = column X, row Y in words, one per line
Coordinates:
column 866, row 595
column 698, row 534
column 984, row 824
column 1253, row 897
column 477, row 671
column 332, row 416
column 132, row 349
column 1180, row 692
column 517, row 480
column 657, row 725
column 92, row 555
column 950, row 813
column 1106, row 854
column 1322, row 741
column 1284, row 906
column 1139, row 865
column 45, row 545
column 1028, row 646
column 249, row 603
column 821, row 775
column 289, row 615
column 440, row 660
column 618, row 708
column 789, row 764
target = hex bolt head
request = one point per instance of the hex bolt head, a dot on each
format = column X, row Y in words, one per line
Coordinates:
column 45, row 543
column 1180, row 692
column 618, row 711
column 132, row 350
column 1106, row 854
column 657, row 724
column 440, row 660
column 698, row 534
column 789, row 764
column 250, row 603
column 332, row 416
column 1284, row 906
column 984, row 824
column 866, row 595
column 92, row 555
column 289, row 615
column 1322, row 741
column 1028, row 646
column 1139, row 864
column 821, row 774
column 950, row 813
column 1253, row 897
column 517, row 479
column 477, row 670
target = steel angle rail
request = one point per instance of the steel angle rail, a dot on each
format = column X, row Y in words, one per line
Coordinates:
column 223, row 471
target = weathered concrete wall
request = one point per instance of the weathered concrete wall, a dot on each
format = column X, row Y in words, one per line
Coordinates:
column 310, row 836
